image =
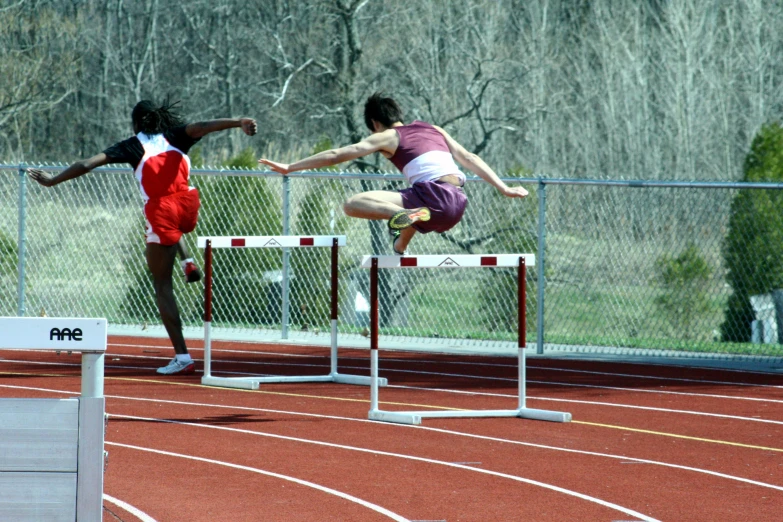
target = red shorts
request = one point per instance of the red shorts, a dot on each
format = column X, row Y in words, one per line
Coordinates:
column 171, row 216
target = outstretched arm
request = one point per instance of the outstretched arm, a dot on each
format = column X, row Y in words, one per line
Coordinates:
column 74, row 171
column 476, row 165
column 200, row 129
column 381, row 141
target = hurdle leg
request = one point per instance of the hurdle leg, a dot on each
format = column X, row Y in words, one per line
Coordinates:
column 374, row 337
column 334, row 349
column 207, row 349
column 525, row 412
column 521, row 371
column 375, row 413
column 521, row 330
column 345, row 378
column 335, row 376
column 207, row 312
column 334, row 308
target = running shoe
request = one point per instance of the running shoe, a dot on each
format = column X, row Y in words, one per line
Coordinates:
column 176, row 366
column 407, row 217
column 192, row 273
column 395, row 234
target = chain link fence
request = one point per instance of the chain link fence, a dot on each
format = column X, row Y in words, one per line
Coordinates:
column 635, row 267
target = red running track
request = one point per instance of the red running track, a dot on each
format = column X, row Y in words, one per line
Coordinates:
column 646, row 442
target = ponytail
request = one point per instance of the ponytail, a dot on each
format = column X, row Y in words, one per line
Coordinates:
column 149, row 119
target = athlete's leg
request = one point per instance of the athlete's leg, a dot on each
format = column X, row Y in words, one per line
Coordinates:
column 182, row 249
column 375, row 204
column 189, row 268
column 160, row 260
column 401, row 242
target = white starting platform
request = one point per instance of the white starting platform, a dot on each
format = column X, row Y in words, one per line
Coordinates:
column 520, row 262
column 253, row 382
column 51, row 450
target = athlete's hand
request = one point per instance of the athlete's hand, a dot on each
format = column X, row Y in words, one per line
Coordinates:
column 515, row 192
column 282, row 168
column 41, row 177
column 249, row 126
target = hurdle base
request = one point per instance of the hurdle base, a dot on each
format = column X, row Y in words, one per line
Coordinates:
column 544, row 415
column 401, row 417
column 357, row 379
column 252, row 383
column 241, row 383
column 415, row 417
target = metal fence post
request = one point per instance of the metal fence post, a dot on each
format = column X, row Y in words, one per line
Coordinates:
column 540, row 262
column 286, row 255
column 22, row 240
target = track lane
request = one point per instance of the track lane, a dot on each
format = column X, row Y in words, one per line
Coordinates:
column 353, row 399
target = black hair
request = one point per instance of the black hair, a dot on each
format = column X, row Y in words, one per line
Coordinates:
column 151, row 119
column 382, row 109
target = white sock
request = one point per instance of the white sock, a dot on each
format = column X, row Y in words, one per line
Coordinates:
column 184, row 357
column 186, row 261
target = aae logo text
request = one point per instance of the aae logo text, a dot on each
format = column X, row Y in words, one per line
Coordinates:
column 65, row 333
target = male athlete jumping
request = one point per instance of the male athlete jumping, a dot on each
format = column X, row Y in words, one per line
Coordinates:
column 425, row 154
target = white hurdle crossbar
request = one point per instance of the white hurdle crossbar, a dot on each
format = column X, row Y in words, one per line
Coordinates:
column 87, row 336
column 252, row 382
column 520, row 261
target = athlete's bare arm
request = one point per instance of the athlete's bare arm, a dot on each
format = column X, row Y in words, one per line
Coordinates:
column 74, row 171
column 476, row 165
column 385, row 141
column 200, row 129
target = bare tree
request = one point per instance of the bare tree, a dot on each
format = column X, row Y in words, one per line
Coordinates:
column 38, row 58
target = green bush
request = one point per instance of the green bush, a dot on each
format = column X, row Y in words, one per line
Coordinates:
column 8, row 255
column 241, row 206
column 318, row 214
column 753, row 248
column 684, row 299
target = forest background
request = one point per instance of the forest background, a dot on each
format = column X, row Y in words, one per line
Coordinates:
column 647, row 89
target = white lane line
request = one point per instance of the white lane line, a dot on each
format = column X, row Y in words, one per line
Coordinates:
column 141, row 515
column 498, row 365
column 385, row 359
column 594, row 403
column 514, row 380
column 351, row 498
column 501, row 379
column 552, row 487
column 655, row 377
column 505, row 379
column 576, row 401
column 426, row 428
column 450, row 432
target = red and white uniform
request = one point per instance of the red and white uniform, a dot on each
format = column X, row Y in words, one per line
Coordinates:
column 170, row 204
column 162, row 167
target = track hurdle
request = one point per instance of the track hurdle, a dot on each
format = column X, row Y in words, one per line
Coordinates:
column 51, row 450
column 521, row 261
column 252, row 383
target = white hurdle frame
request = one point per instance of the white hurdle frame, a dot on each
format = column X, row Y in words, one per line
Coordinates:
column 38, row 333
column 252, row 382
column 521, row 261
